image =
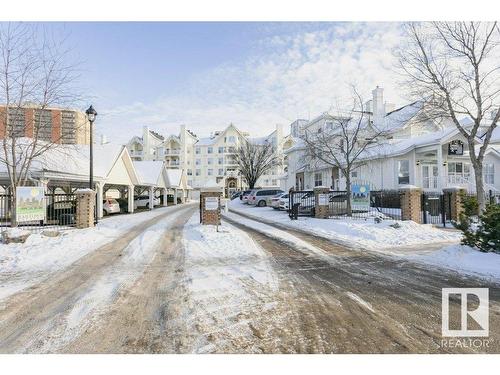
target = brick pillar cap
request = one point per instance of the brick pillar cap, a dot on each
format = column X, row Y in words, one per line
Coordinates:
column 409, row 187
column 454, row 188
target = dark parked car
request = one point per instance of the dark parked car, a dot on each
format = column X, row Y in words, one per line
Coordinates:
column 338, row 204
column 63, row 212
column 123, row 202
column 236, row 195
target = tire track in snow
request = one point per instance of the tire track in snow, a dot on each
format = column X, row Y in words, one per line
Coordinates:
column 40, row 314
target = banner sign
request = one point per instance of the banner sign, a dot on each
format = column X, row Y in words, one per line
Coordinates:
column 360, row 197
column 30, row 203
column 211, row 203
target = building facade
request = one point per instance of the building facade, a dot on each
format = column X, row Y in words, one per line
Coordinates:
column 55, row 125
column 415, row 149
column 206, row 159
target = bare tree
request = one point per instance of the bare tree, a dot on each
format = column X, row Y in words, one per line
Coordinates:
column 344, row 144
column 34, row 74
column 456, row 66
column 254, row 160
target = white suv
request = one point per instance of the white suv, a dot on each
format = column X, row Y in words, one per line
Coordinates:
column 262, row 197
column 142, row 201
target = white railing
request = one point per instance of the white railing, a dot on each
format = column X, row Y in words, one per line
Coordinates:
column 172, row 151
column 458, row 180
column 430, row 182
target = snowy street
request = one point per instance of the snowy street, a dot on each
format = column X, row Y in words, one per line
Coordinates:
column 165, row 284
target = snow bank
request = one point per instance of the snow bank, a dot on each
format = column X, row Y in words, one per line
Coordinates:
column 465, row 260
column 23, row 265
column 359, row 233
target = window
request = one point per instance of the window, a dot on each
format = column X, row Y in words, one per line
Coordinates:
column 210, row 172
column 221, row 172
column 329, row 125
column 489, row 174
column 210, row 150
column 232, row 139
column 403, row 172
column 198, row 161
column 198, row 172
column 190, row 172
column 458, row 169
column 210, row 161
column 198, row 151
column 318, row 179
column 221, row 150
column 274, row 182
column 354, row 174
column 221, row 160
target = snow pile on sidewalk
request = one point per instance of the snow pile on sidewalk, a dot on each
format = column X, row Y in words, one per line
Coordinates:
column 465, row 260
column 23, row 264
column 227, row 276
column 365, row 234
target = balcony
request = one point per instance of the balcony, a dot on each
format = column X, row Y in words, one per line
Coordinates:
column 172, row 152
column 232, row 174
column 136, row 153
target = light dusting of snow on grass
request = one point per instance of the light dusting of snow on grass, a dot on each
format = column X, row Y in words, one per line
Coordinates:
column 23, row 265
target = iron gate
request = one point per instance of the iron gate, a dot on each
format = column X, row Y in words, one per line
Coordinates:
column 436, row 208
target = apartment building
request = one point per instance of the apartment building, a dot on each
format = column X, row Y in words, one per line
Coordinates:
column 205, row 159
column 58, row 125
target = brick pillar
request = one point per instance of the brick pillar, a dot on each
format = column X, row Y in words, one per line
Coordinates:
column 85, row 205
column 208, row 213
column 411, row 201
column 321, row 199
column 29, row 122
column 56, row 126
column 3, row 122
column 453, row 201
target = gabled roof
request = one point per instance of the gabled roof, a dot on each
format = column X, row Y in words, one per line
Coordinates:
column 149, row 171
column 207, row 141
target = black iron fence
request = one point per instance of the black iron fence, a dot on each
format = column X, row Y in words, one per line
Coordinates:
column 60, row 212
column 435, row 207
column 384, row 204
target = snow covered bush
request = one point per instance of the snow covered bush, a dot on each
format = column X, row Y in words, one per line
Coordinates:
column 468, row 218
column 483, row 231
column 488, row 233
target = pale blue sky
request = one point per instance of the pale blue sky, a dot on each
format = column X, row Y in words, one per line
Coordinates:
column 207, row 75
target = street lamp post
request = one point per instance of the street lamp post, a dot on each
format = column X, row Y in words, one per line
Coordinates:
column 91, row 115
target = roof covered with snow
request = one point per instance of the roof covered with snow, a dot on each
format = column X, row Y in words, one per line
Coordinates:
column 148, row 171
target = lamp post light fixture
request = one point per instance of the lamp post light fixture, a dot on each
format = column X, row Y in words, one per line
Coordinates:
column 91, row 115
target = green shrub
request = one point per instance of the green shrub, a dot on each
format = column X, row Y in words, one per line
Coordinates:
column 488, row 233
column 467, row 219
column 480, row 231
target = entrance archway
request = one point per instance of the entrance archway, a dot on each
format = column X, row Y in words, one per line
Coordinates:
column 231, row 186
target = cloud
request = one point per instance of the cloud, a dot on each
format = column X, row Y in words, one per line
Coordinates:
column 299, row 74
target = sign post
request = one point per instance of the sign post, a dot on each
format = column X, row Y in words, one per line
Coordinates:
column 210, row 205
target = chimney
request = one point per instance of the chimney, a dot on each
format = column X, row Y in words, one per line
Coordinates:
column 378, row 103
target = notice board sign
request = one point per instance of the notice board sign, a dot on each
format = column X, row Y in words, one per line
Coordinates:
column 211, row 203
column 361, row 197
column 323, row 199
column 30, row 203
